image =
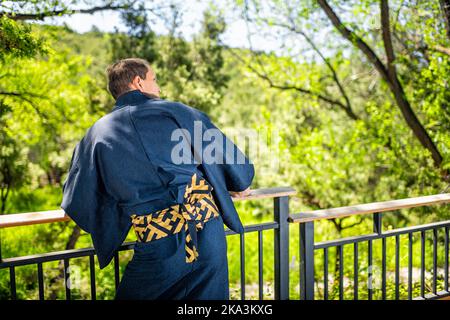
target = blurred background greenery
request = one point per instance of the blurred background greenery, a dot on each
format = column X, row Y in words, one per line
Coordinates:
column 357, row 93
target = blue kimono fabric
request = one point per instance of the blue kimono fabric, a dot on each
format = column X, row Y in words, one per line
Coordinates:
column 124, row 166
column 158, row 269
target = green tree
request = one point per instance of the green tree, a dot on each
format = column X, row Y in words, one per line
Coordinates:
column 188, row 72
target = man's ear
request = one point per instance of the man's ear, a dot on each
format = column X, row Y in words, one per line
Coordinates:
column 135, row 83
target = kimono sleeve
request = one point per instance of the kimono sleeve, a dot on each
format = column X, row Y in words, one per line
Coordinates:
column 200, row 139
column 91, row 208
column 78, row 199
column 236, row 168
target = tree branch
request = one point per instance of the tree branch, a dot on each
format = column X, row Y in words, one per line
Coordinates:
column 441, row 49
column 23, row 97
column 43, row 15
column 354, row 224
column 387, row 40
column 272, row 84
column 445, row 8
column 354, row 39
column 393, row 83
column 347, row 108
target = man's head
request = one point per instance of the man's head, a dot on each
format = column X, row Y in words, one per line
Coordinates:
column 131, row 74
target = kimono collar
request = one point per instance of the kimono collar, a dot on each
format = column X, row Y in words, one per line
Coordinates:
column 133, row 97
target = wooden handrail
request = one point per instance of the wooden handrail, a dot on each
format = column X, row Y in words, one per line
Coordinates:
column 367, row 208
column 29, row 218
column 24, row 219
column 268, row 193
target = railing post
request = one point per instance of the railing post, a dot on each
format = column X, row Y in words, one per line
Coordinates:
column 1, row 245
column 307, row 261
column 281, row 213
column 377, row 223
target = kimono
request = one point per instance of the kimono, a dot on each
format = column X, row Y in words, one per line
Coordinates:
column 138, row 159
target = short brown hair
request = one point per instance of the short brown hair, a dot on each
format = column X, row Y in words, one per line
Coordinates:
column 122, row 73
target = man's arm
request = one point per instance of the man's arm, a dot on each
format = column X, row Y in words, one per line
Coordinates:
column 175, row 130
column 241, row 194
column 238, row 176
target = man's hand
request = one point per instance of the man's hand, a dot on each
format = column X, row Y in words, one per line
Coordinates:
column 240, row 194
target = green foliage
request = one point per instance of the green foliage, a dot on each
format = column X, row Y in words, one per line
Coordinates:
column 141, row 40
column 18, row 41
column 190, row 72
column 12, row 167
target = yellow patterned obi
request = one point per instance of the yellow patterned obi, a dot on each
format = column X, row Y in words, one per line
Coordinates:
column 197, row 208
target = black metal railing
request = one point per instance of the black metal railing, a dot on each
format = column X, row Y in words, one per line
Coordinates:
column 281, row 249
column 308, row 248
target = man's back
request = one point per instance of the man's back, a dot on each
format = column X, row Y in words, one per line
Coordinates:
column 132, row 147
column 124, row 165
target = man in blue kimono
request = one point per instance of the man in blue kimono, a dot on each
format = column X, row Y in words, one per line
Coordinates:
column 164, row 169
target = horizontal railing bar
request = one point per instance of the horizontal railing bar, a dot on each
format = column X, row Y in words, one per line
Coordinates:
column 55, row 256
column 30, row 218
column 255, row 227
column 367, row 208
column 275, row 192
column 78, row 253
column 432, row 296
column 376, row 236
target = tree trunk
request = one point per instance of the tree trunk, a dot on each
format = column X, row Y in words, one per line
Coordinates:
column 392, row 80
column 445, row 7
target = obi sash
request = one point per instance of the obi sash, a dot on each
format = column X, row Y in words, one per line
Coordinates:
column 198, row 207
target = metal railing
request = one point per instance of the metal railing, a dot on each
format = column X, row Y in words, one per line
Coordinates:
column 279, row 224
column 308, row 248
